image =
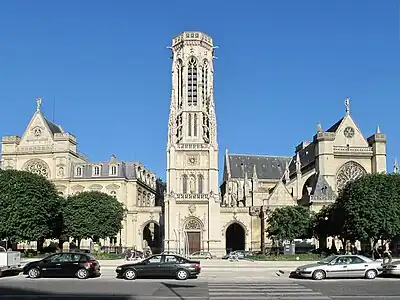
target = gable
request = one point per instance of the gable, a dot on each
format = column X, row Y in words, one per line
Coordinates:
column 280, row 196
column 357, row 140
column 39, row 131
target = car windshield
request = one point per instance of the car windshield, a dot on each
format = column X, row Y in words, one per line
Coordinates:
column 327, row 260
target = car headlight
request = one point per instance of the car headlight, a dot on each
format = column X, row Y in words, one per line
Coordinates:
column 119, row 268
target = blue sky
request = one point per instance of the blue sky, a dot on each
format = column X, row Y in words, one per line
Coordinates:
column 283, row 66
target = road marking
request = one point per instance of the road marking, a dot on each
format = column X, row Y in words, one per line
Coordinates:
column 255, row 291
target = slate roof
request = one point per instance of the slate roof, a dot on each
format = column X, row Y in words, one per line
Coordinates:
column 267, row 167
column 53, row 127
column 321, row 187
column 307, row 156
column 335, row 126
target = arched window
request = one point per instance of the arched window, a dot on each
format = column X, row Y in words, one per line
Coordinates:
column 78, row 171
column 200, row 180
column 184, row 184
column 204, row 81
column 195, row 125
column 190, row 125
column 192, row 82
column 179, row 69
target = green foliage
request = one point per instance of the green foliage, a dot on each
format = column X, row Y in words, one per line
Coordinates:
column 289, row 223
column 287, row 257
column 30, row 207
column 370, row 207
column 329, row 221
column 93, row 215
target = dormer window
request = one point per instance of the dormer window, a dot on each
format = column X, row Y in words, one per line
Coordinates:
column 78, row 171
column 113, row 170
column 96, row 171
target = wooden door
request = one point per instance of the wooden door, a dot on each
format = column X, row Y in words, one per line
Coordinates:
column 194, row 241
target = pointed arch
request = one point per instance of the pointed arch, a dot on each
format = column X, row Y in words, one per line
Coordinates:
column 184, row 184
column 192, row 81
column 200, row 180
column 193, row 224
column 179, row 70
column 349, row 171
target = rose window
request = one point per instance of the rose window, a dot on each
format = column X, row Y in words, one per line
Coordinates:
column 348, row 172
column 37, row 167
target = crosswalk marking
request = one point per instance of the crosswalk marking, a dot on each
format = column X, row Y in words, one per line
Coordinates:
column 262, row 291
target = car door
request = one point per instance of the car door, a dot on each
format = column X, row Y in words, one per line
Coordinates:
column 337, row 268
column 70, row 264
column 151, row 267
column 356, row 267
column 51, row 265
column 170, row 265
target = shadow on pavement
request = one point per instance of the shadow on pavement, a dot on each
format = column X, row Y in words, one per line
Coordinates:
column 173, row 286
column 24, row 294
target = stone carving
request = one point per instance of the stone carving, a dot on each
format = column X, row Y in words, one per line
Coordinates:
column 193, row 224
column 348, row 172
column 192, row 187
column 152, row 200
column 61, row 172
column 192, row 208
column 37, row 166
column 38, row 103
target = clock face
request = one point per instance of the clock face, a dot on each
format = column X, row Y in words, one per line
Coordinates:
column 348, row 132
column 192, row 160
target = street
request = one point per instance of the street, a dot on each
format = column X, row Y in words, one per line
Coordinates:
column 223, row 288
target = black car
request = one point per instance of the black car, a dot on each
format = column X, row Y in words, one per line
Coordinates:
column 66, row 264
column 160, row 266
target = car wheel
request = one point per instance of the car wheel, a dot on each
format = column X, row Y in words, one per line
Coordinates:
column 318, row 275
column 34, row 273
column 130, row 274
column 82, row 274
column 370, row 274
column 182, row 275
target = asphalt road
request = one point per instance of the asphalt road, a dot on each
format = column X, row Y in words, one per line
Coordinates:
column 19, row 287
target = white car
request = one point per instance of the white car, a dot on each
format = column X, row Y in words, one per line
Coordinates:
column 341, row 266
column 392, row 268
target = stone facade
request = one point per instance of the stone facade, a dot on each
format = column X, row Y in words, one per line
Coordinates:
column 197, row 215
column 46, row 149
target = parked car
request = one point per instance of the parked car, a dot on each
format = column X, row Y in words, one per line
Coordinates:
column 160, row 266
column 201, row 255
column 392, row 268
column 341, row 266
column 66, row 264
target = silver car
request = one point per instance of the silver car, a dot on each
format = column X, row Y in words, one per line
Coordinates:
column 341, row 266
column 392, row 268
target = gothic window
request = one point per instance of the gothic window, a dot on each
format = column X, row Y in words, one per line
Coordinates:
column 179, row 67
column 200, row 181
column 193, row 224
column 195, row 125
column 37, row 166
column 184, row 184
column 192, row 82
column 96, row 171
column 204, row 81
column 348, row 172
column 113, row 170
column 190, row 125
column 78, row 171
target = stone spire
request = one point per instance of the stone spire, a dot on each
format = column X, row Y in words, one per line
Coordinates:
column 254, row 172
column 347, row 105
column 287, row 172
column 378, row 130
column 38, row 103
column 319, row 127
column 396, row 166
column 298, row 163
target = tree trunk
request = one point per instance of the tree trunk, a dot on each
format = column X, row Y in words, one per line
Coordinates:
column 40, row 243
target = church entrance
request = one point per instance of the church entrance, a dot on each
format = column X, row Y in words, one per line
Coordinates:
column 152, row 237
column 194, row 241
column 235, row 237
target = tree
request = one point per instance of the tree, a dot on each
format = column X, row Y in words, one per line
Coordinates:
column 92, row 215
column 289, row 223
column 370, row 208
column 30, row 207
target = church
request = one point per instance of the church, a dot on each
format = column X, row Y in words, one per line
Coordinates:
column 193, row 211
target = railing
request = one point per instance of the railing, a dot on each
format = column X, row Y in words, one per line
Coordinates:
column 192, row 196
column 367, row 150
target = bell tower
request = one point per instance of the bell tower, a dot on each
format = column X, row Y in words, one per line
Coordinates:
column 192, row 195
